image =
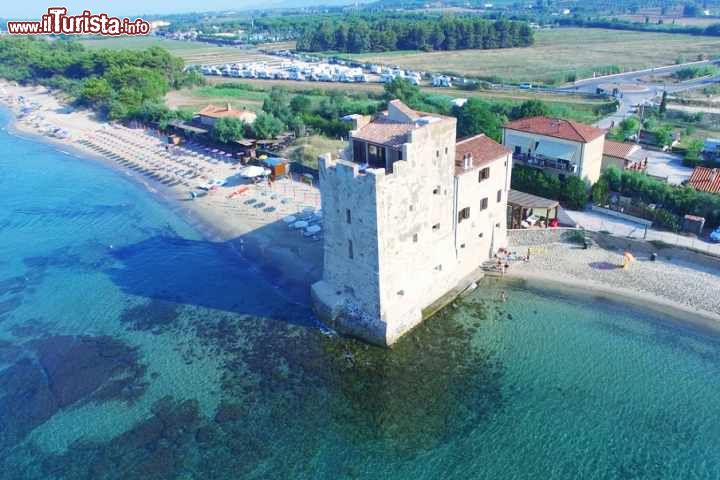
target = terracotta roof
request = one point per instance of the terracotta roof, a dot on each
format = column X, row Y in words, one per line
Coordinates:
column 227, row 111
column 483, row 150
column 390, row 129
column 619, row 149
column 385, row 132
column 557, row 127
column 705, row 179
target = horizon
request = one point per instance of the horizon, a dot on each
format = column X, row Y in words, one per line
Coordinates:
column 138, row 8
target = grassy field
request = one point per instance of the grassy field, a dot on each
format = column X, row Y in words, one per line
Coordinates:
column 190, row 52
column 577, row 107
column 306, row 150
column 557, row 53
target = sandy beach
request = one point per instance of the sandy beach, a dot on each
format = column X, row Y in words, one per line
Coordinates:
column 677, row 283
column 253, row 217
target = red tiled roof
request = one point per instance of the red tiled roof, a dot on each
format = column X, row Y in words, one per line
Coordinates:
column 705, row 179
column 483, row 150
column 393, row 132
column 226, row 111
column 619, row 149
column 556, row 127
column 384, row 132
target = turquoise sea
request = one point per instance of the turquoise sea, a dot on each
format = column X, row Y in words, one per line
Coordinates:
column 130, row 347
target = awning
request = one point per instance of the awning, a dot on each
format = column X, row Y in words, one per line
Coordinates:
column 556, row 150
column 527, row 200
column 512, row 141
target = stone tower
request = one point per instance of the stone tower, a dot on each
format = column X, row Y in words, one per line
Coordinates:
column 391, row 216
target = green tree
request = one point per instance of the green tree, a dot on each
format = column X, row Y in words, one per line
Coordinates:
column 95, row 92
column 663, row 104
column 475, row 117
column 301, row 104
column 601, row 192
column 403, row 90
column 574, row 193
column 267, row 126
column 530, row 108
column 227, row 130
column 664, row 135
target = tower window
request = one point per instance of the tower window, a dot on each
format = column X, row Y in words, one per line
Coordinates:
column 499, row 196
column 436, row 190
column 484, row 203
column 348, row 216
column 484, row 174
column 415, row 238
column 351, row 254
column 436, row 227
column 463, row 214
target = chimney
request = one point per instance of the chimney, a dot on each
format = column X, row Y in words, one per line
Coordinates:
column 467, row 161
column 229, row 107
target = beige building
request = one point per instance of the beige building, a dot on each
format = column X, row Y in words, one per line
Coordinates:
column 210, row 114
column 410, row 215
column 625, row 156
column 562, row 147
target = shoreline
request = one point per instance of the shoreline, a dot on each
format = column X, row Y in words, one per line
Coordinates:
column 681, row 314
column 288, row 260
column 257, row 236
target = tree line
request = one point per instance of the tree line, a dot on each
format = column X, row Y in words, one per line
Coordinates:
column 120, row 84
column 449, row 33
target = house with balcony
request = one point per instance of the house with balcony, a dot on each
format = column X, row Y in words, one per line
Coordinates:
column 410, row 215
column 557, row 146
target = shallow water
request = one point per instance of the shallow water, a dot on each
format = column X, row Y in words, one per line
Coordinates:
column 132, row 348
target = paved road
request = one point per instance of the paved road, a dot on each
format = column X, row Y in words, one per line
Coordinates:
column 598, row 222
column 668, row 165
column 661, row 164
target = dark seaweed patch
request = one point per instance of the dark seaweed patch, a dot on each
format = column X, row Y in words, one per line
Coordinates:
column 156, row 316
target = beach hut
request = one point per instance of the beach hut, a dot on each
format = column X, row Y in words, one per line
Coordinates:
column 279, row 167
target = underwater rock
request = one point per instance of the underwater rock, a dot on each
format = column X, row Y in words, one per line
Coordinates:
column 156, row 316
column 154, row 449
column 56, row 372
column 28, row 402
column 230, row 412
column 78, row 366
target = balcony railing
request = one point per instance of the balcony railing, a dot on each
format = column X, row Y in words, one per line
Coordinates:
column 544, row 162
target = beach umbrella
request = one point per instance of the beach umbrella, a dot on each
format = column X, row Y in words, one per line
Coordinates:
column 299, row 225
column 313, row 229
column 290, row 219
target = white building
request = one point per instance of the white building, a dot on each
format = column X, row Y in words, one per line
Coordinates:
column 410, row 216
column 557, row 146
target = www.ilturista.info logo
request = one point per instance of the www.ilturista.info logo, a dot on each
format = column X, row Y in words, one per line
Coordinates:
column 57, row 22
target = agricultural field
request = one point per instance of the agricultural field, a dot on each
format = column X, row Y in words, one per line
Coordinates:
column 668, row 19
column 558, row 54
column 193, row 53
column 577, row 107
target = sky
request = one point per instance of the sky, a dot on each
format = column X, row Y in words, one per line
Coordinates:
column 31, row 9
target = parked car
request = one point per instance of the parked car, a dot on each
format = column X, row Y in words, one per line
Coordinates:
column 715, row 236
